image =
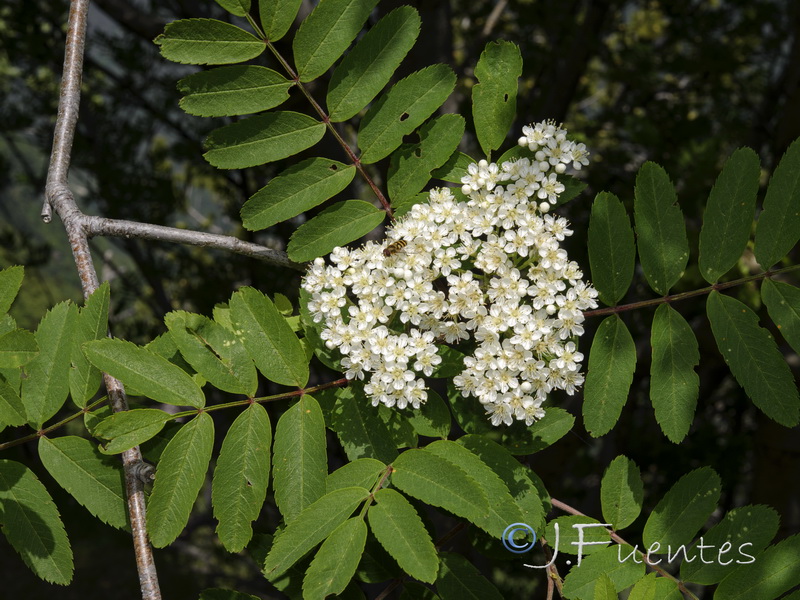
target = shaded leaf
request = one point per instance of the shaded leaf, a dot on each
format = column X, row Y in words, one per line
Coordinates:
column 17, row 347
column 336, row 561
column 92, row 324
column 10, row 282
column 621, row 492
column 362, row 472
column 494, row 97
column 783, row 303
column 521, row 439
column 361, row 431
column 130, row 428
column 776, row 571
column 612, row 253
column 454, row 169
column 12, row 411
column 458, row 579
column 432, row 419
column 207, row 42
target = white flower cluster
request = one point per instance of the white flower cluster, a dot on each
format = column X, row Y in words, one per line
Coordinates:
column 487, row 274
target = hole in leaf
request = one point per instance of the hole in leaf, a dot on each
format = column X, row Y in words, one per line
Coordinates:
column 404, row 116
column 505, row 97
column 333, row 167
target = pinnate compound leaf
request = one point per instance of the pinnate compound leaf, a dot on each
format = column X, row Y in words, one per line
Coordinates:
column 745, row 530
column 213, row 351
column 783, row 304
column 92, row 324
column 621, row 493
column 612, row 253
column 410, row 168
column 96, row 481
column 207, row 42
column 241, row 475
column 268, row 338
column 362, row 472
column 778, row 228
column 299, row 188
column 17, row 347
column 179, row 476
column 683, row 510
column 151, row 375
column 674, row 384
column 402, row 109
column 310, row 527
column 361, row 431
column 373, row 61
column 660, row 228
column 776, row 571
column 729, row 214
column 336, row 561
column 130, row 428
column 337, row 225
column 494, row 97
column 262, row 139
column 439, row 482
column 238, row 8
column 300, row 463
column 502, row 509
column 46, row 387
column 397, row 526
column 12, row 411
column 32, row 525
column 277, row 17
column 458, row 579
column 612, row 361
column 326, row 33
column 10, row 282
column 754, row 358
column 580, row 582
column 235, row 90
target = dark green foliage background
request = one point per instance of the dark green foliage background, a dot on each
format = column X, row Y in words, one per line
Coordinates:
column 679, row 83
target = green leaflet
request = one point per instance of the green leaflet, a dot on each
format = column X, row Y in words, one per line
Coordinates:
column 326, row 33
column 402, row 109
column 299, row 188
column 572, row 189
column 96, row 481
column 397, row 526
column 653, row 587
column 776, row 571
column 300, row 463
column 373, row 61
column 17, row 347
column 747, row 530
column 310, row 527
column 595, row 535
column 335, row 226
column 47, row 385
column 84, row 378
column 729, row 214
column 207, row 42
column 778, row 227
column 660, row 228
column 410, row 167
column 754, row 358
column 458, row 579
column 580, row 582
column 502, row 509
column 674, row 384
column 621, row 492
column 362, row 472
column 454, row 169
column 432, row 419
column 439, row 482
column 179, row 476
column 612, row 253
column 262, row 139
column 783, row 304
column 520, row 439
column 241, row 476
column 12, row 411
column 452, row 362
column 238, row 8
column 32, row 525
column 612, row 361
column 682, row 511
column 400, row 430
column 236, row 90
column 494, row 97
column 604, row 589
column 376, row 564
column 268, row 338
column 130, row 428
column 520, row 480
column 336, row 561
column 10, row 281
column 361, row 431
column 213, row 351
column 151, row 375
column 277, row 17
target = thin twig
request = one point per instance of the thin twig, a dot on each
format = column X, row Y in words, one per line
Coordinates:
column 491, row 21
column 59, row 197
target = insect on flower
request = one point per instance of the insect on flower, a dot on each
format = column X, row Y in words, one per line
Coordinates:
column 395, row 247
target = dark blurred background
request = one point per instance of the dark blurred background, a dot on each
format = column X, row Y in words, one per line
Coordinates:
column 680, row 83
